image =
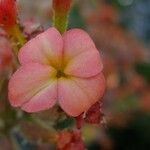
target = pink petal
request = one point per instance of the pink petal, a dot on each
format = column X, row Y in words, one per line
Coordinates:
column 77, row 41
column 94, row 87
column 87, row 64
column 32, row 81
column 46, row 48
column 77, row 95
column 43, row 100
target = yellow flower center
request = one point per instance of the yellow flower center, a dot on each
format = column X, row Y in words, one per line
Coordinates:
column 60, row 74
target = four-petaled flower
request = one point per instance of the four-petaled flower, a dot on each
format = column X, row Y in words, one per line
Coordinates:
column 58, row 69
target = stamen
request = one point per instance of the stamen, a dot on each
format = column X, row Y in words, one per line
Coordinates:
column 60, row 74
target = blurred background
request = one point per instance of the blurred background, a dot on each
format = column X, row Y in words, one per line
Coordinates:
column 121, row 31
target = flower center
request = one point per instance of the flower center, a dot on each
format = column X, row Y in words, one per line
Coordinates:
column 60, row 74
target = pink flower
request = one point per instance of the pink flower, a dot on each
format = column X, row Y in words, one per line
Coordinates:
column 58, row 69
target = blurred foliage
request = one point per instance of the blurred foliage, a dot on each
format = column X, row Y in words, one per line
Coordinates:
column 135, row 15
column 129, row 103
column 144, row 70
column 134, row 136
column 64, row 123
column 76, row 20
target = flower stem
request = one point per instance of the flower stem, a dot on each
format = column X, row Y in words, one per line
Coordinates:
column 61, row 22
column 16, row 37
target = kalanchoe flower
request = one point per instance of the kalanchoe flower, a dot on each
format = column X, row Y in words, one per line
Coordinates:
column 7, row 13
column 58, row 69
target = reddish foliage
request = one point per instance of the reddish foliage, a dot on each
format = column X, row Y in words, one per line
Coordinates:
column 75, row 146
column 107, row 14
column 79, row 121
column 70, row 140
column 145, row 101
column 63, row 139
column 94, row 114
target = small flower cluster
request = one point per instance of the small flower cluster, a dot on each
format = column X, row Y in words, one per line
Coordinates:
column 70, row 140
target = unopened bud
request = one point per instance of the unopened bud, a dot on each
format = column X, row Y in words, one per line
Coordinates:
column 7, row 13
column 61, row 6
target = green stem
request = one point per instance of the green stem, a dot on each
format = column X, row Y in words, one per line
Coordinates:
column 17, row 38
column 60, row 22
column 61, row 10
column 18, row 35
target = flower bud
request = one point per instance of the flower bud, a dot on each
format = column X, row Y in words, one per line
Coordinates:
column 94, row 114
column 61, row 6
column 7, row 13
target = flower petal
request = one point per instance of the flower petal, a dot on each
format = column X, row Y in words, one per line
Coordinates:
column 94, row 87
column 43, row 100
column 32, row 81
column 85, row 65
column 78, row 95
column 46, row 48
column 76, row 41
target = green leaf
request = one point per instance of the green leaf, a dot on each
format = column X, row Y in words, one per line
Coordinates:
column 144, row 70
column 65, row 123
